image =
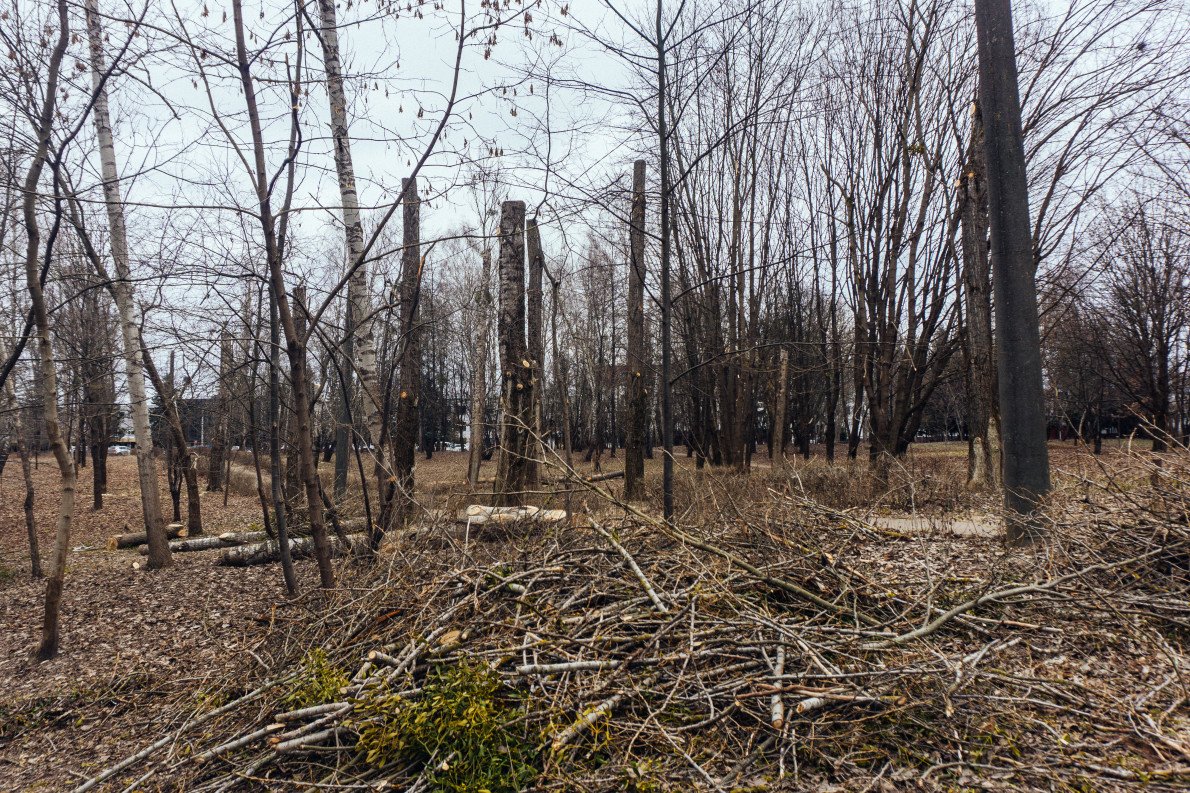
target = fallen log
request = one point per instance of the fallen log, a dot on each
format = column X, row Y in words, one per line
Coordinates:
column 133, row 539
column 299, row 548
column 228, row 539
column 586, row 479
column 477, row 514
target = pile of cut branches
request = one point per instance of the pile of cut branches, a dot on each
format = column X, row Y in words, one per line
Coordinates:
column 796, row 649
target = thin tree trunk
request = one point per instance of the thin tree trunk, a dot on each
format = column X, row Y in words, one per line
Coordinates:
column 536, row 346
column 778, row 448
column 219, row 443
column 122, row 294
column 636, row 363
column 295, row 346
column 1022, row 406
column 359, row 349
column 49, row 375
column 483, row 311
column 561, row 380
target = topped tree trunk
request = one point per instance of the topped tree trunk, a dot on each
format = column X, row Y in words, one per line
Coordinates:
column 516, row 371
column 637, row 364
column 1018, row 334
column 405, row 424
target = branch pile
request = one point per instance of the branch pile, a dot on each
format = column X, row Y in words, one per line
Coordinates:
column 798, row 649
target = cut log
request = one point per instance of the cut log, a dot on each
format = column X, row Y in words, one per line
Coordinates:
column 133, row 539
column 477, row 514
column 228, row 539
column 299, row 548
column 588, row 479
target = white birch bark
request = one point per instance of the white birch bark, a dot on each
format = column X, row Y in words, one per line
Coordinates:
column 122, row 294
column 359, row 324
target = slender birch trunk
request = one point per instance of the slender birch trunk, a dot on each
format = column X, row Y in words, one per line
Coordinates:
column 49, row 375
column 536, row 347
column 122, row 294
column 483, row 312
column 359, row 348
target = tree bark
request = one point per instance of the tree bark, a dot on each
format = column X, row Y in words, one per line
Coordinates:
column 1018, row 354
column 218, row 457
column 49, row 375
column 983, row 468
column 636, row 364
column 536, row 347
column 780, row 400
column 122, row 294
column 405, row 425
column 359, row 348
column 516, row 408
column 479, row 363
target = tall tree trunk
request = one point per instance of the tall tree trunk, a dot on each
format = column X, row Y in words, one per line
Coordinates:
column 122, row 294
column 276, row 477
column 536, row 346
column 1018, row 354
column 636, row 364
column 667, row 419
column 405, row 425
column 49, row 375
column 516, row 408
column 359, row 348
column 983, row 469
column 295, row 345
column 479, row 363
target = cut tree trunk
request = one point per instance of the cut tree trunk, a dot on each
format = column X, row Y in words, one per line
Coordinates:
column 299, row 548
column 516, row 408
column 777, row 451
column 405, row 423
column 133, row 539
column 637, row 365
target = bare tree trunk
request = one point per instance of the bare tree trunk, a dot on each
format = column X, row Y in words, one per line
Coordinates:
column 405, row 425
column 295, row 346
column 562, row 380
column 276, row 481
column 636, row 364
column 516, row 408
column 49, row 375
column 122, row 294
column 983, row 467
column 479, row 363
column 219, row 443
column 1022, row 406
column 780, row 400
column 536, row 345
column 359, row 349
